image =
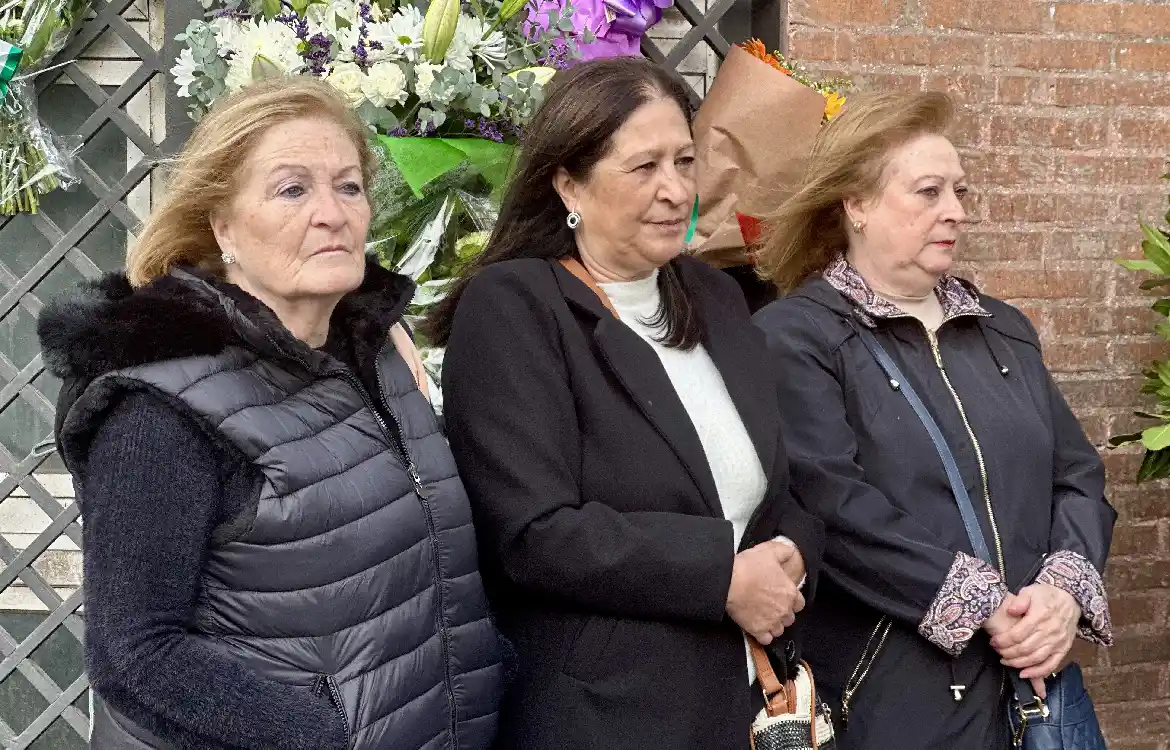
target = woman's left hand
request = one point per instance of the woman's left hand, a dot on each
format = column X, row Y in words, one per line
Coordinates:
column 794, row 566
column 410, row 354
column 1039, row 642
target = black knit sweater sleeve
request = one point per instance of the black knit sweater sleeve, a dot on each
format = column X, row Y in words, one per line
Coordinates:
column 153, row 492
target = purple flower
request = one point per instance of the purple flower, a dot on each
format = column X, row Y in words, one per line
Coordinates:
column 617, row 37
column 317, row 54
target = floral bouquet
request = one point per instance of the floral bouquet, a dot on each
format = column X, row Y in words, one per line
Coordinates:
column 33, row 160
column 746, row 171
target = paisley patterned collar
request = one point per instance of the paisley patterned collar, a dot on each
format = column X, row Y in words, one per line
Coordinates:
column 956, row 298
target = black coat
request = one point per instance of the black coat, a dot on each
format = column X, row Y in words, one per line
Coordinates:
column 863, row 462
column 605, row 551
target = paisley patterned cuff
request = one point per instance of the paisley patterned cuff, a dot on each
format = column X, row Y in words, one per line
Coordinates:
column 971, row 593
column 1072, row 573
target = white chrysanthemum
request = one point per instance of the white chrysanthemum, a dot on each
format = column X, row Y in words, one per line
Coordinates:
column 400, row 36
column 469, row 44
column 184, row 71
column 273, row 41
column 347, row 78
column 227, row 33
column 425, row 73
column 385, row 85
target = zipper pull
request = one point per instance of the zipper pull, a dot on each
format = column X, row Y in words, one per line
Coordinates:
column 416, row 480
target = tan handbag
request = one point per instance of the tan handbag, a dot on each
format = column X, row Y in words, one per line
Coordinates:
column 792, row 718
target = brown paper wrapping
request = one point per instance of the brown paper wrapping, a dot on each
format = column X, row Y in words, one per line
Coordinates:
column 753, row 134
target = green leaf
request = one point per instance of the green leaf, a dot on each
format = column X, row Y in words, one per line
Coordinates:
column 1162, row 306
column 1119, row 440
column 270, row 8
column 1155, row 465
column 300, row 6
column 1154, row 283
column 1156, row 438
column 1139, row 265
column 1156, row 247
column 263, row 68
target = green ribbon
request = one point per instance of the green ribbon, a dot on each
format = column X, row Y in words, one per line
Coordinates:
column 10, row 56
column 423, row 160
column 694, row 222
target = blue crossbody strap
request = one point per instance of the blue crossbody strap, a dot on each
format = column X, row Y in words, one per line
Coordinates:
column 899, row 383
column 1029, row 706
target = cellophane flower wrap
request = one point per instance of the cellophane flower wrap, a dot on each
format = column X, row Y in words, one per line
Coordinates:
column 745, row 171
column 33, row 159
column 445, row 89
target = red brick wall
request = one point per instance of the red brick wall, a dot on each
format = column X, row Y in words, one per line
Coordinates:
column 1065, row 132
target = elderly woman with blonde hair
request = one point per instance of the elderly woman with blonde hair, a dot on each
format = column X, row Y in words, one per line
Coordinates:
column 965, row 511
column 278, row 549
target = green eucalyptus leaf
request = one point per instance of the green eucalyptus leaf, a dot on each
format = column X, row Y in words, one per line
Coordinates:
column 270, row 8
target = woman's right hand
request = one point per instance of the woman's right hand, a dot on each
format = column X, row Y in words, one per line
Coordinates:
column 762, row 599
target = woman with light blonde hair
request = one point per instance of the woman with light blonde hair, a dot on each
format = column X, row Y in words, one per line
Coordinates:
column 278, row 549
column 965, row 511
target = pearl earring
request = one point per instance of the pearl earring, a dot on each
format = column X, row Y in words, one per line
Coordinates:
column 227, row 258
column 573, row 220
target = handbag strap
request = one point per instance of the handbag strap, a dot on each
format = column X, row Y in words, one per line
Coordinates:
column 779, row 697
column 1030, row 706
column 899, row 383
column 573, row 266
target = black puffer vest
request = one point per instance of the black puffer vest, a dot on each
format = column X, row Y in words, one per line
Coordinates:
column 356, row 575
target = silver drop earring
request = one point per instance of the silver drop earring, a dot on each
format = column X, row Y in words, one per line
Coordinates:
column 573, row 220
column 227, row 258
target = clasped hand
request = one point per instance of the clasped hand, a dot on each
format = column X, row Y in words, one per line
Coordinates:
column 763, row 598
column 1034, row 631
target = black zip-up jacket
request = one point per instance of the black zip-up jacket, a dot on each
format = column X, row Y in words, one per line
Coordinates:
column 863, row 463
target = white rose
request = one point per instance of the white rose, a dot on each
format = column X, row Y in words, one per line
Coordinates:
column 347, row 78
column 385, row 85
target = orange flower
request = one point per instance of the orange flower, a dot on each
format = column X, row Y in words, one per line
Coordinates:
column 756, row 49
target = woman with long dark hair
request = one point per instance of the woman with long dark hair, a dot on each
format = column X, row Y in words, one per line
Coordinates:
column 619, row 441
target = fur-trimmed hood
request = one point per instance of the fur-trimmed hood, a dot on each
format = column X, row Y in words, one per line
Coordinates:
column 107, row 325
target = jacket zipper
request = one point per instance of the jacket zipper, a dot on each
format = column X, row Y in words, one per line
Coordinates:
column 424, row 498
column 868, row 658
column 933, row 338
column 397, row 441
column 325, row 682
